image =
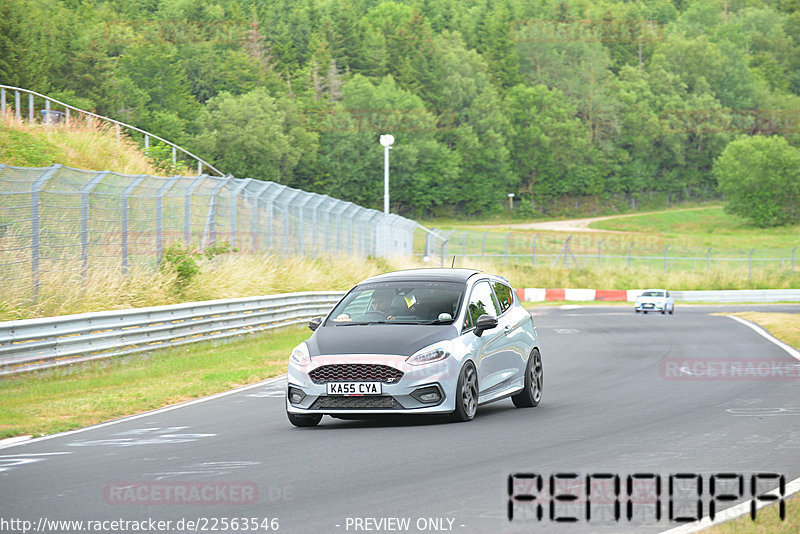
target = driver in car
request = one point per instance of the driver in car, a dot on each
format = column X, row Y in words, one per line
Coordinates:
column 381, row 302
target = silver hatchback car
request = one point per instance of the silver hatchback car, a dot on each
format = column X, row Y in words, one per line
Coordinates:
column 422, row 341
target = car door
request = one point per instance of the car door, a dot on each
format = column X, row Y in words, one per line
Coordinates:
column 516, row 340
column 489, row 350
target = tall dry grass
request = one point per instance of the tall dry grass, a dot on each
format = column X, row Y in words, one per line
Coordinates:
column 64, row 290
column 84, row 143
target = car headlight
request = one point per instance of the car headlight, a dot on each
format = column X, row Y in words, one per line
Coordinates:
column 300, row 355
column 434, row 353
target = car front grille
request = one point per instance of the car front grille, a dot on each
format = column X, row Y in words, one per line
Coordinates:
column 355, row 372
column 383, row 402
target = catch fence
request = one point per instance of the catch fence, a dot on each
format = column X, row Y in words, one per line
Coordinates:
column 588, row 250
column 57, row 217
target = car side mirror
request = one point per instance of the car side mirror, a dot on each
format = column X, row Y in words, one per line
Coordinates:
column 485, row 322
column 314, row 323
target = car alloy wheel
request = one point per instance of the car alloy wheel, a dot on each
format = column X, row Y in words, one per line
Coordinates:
column 531, row 394
column 466, row 394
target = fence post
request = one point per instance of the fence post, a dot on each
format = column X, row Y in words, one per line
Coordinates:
column 46, row 112
column 30, row 107
column 665, row 257
column 505, row 260
column 708, row 259
column 630, row 251
column 187, row 209
column 599, row 251
column 795, row 248
column 17, row 110
column 125, row 194
column 86, row 190
column 464, row 247
column 286, row 231
column 534, row 249
column 118, row 134
column 160, row 215
column 300, row 223
column 483, row 253
column 750, row 264
column 234, row 204
column 270, row 223
column 566, row 251
column 3, row 101
column 254, row 217
column 35, row 225
column 210, row 230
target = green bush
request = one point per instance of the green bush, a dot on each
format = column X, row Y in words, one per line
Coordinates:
column 183, row 259
column 760, row 177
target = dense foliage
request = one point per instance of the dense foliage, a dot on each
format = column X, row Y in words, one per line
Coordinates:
column 606, row 99
column 760, row 177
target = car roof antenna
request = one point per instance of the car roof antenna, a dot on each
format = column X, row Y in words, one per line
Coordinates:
column 454, row 262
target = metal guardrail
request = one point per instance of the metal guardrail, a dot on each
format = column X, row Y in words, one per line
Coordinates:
column 738, row 295
column 34, row 344
column 51, row 116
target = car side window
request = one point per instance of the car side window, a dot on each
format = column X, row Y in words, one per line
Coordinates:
column 481, row 302
column 504, row 295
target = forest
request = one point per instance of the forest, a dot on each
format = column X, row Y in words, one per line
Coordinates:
column 614, row 103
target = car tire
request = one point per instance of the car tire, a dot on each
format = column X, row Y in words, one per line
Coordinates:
column 531, row 394
column 304, row 420
column 466, row 394
column 663, row 312
column 637, row 311
column 644, row 312
column 671, row 310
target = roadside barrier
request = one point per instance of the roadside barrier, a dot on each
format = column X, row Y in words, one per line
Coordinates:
column 33, row 344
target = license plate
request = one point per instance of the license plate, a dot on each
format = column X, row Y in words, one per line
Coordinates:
column 354, row 388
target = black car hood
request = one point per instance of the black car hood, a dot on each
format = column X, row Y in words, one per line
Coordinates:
column 400, row 339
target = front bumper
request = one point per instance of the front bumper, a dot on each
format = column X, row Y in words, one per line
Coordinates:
column 650, row 306
column 400, row 397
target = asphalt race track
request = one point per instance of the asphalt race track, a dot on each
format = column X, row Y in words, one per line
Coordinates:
column 612, row 404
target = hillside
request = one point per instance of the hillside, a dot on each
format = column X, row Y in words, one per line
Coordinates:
column 616, row 103
column 80, row 145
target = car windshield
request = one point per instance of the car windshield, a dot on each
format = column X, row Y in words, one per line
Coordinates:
column 417, row 302
column 653, row 294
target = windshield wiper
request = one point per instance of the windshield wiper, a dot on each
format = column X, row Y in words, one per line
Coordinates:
column 439, row 321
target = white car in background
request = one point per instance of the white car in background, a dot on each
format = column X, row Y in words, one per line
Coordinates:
column 655, row 300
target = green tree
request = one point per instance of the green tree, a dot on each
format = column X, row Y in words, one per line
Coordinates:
column 351, row 160
column 760, row 177
column 550, row 147
column 250, row 135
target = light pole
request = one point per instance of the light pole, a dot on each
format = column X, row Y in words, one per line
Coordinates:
column 386, row 141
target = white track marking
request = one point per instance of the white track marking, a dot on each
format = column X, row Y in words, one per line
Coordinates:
column 763, row 333
column 733, row 512
column 743, row 508
column 153, row 412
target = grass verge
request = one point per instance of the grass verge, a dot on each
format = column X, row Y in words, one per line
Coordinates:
column 784, row 326
column 82, row 144
column 56, row 401
column 767, row 521
column 63, row 290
